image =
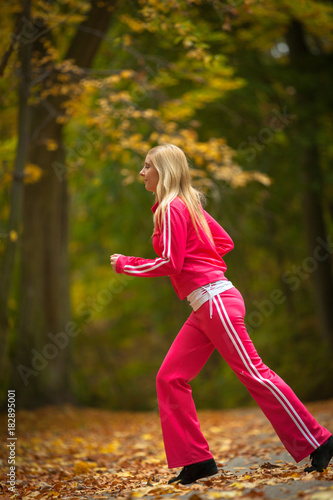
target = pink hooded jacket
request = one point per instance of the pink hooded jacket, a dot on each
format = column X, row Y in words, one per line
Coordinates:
column 189, row 261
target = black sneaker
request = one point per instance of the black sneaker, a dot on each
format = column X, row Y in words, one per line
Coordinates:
column 320, row 458
column 192, row 472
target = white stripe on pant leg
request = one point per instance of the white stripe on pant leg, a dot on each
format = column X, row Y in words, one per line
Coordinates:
column 312, row 438
column 257, row 376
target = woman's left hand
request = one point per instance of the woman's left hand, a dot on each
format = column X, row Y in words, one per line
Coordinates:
column 113, row 260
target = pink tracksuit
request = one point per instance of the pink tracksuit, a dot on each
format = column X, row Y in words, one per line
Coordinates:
column 192, row 262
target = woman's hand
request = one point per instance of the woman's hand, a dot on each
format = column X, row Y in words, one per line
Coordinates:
column 113, row 260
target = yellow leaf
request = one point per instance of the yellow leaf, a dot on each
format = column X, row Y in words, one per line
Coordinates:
column 58, row 443
column 153, row 460
column 61, row 119
column 154, row 136
column 124, row 474
column 110, row 447
column 133, row 24
column 127, row 73
column 322, row 495
column 161, row 489
column 83, row 467
column 226, row 494
column 127, row 40
column 32, row 173
column 13, row 235
column 238, row 486
column 140, row 492
column 51, row 145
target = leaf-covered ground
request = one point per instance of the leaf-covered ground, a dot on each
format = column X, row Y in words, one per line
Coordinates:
column 70, row 453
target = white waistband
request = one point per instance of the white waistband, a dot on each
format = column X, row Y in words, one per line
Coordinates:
column 207, row 292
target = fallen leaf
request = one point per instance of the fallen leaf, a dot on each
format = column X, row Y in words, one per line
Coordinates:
column 83, row 467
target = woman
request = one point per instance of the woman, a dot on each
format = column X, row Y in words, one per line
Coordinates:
column 190, row 246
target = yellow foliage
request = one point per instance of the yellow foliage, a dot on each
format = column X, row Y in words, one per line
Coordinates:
column 13, row 235
column 127, row 40
column 63, row 77
column 32, row 173
column 51, row 144
column 177, row 110
column 262, row 178
column 89, row 85
column 134, row 24
column 62, row 119
column 154, row 136
column 112, row 79
column 127, row 73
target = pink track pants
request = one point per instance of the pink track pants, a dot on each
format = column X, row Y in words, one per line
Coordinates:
column 183, row 440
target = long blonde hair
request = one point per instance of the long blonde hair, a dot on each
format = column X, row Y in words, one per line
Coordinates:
column 175, row 180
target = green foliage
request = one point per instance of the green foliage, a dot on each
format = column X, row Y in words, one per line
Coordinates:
column 217, row 80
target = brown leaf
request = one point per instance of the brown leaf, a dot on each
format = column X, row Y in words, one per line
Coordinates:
column 268, row 465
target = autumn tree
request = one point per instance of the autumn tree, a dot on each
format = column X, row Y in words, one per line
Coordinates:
column 24, row 123
column 278, row 48
column 222, row 81
column 44, row 310
column 121, row 101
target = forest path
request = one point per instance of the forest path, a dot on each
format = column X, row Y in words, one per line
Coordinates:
column 83, row 453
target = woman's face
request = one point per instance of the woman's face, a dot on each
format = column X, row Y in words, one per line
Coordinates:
column 150, row 175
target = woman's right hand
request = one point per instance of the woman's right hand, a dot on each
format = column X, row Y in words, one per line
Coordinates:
column 113, row 260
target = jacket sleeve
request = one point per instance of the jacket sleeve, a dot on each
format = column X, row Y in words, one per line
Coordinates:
column 172, row 243
column 222, row 240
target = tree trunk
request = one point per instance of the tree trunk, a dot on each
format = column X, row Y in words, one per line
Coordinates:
column 43, row 344
column 41, row 368
column 319, row 261
column 320, row 250
column 15, row 219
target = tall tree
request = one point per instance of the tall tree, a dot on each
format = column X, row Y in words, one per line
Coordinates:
column 284, row 50
column 42, row 353
column 312, row 99
column 24, row 122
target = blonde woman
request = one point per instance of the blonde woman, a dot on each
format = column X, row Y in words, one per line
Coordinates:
column 191, row 246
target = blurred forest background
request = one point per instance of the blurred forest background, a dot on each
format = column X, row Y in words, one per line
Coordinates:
column 87, row 87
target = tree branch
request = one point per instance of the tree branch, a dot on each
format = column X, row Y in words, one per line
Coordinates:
column 90, row 33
